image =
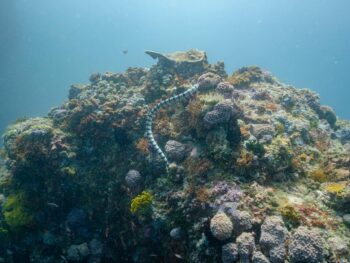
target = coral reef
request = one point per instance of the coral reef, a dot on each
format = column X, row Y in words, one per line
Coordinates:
column 256, row 171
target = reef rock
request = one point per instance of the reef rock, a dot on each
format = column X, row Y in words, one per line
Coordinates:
column 259, row 257
column 306, row 246
column 133, row 180
column 221, row 226
column 175, row 150
column 208, row 80
column 246, row 246
column 186, row 63
column 242, row 221
column 229, row 253
column 273, row 237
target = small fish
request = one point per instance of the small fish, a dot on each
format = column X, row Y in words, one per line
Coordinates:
column 53, row 205
column 178, row 256
column 125, row 51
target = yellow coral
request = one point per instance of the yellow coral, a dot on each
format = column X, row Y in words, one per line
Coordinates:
column 141, row 203
column 318, row 175
column 335, row 188
column 290, row 214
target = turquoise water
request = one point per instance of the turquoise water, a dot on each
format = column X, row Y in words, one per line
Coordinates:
column 46, row 45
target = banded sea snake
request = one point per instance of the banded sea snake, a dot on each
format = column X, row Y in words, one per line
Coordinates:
column 152, row 113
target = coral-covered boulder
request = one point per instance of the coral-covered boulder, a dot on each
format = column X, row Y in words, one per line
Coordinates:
column 306, row 245
column 221, row 226
column 222, row 113
column 242, row 221
column 259, row 257
column 134, row 180
column 175, row 150
column 246, row 246
column 208, row 80
column 225, row 89
column 273, row 237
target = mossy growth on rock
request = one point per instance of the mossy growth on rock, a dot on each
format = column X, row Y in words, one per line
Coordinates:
column 15, row 213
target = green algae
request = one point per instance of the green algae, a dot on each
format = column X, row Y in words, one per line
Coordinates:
column 15, row 213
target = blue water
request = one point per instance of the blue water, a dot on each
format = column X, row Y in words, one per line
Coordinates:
column 45, row 45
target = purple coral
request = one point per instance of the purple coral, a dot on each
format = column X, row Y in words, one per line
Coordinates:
column 226, row 197
column 222, row 113
column 225, row 89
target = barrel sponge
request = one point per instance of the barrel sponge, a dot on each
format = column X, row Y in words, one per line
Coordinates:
column 221, row 226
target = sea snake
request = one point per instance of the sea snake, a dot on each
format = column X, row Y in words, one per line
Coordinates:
column 152, row 113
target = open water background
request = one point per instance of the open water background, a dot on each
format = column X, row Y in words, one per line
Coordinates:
column 46, row 45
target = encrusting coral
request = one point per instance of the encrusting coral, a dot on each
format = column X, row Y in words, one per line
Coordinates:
column 259, row 172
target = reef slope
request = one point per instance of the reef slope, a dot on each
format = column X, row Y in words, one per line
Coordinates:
column 259, row 171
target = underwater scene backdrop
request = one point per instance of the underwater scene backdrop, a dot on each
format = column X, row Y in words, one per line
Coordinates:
column 174, row 131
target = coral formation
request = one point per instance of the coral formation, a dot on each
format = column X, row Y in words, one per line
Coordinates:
column 259, row 172
column 141, row 203
column 273, row 238
column 246, row 246
column 133, row 180
column 229, row 253
column 221, row 226
column 259, row 257
column 306, row 246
